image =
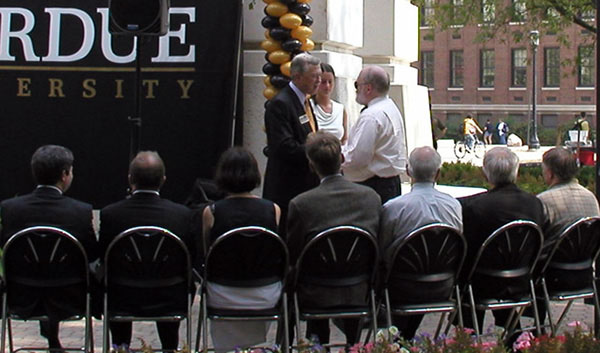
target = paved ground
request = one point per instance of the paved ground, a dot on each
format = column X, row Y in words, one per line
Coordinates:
column 27, row 333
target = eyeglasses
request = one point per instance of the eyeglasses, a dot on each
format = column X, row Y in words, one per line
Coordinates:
column 356, row 84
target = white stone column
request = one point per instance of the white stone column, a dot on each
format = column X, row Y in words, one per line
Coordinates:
column 391, row 40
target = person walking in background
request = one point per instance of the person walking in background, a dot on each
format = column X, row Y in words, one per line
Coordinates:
column 502, row 129
column 375, row 154
column 488, row 132
column 470, row 130
column 331, row 115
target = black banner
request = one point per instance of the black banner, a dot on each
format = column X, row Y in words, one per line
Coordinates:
column 64, row 79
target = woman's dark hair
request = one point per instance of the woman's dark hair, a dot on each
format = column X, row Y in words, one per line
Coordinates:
column 237, row 171
column 327, row 68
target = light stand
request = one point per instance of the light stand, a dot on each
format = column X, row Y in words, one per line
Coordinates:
column 533, row 142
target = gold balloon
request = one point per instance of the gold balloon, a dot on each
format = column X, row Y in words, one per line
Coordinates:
column 290, row 20
column 270, row 92
column 267, row 81
column 268, row 34
column 279, row 57
column 302, row 1
column 301, row 33
column 307, row 45
column 269, row 1
column 286, row 69
column 276, row 9
column 270, row 45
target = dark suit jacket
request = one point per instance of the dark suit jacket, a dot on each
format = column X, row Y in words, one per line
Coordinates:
column 147, row 209
column 484, row 213
column 335, row 202
column 287, row 173
column 48, row 207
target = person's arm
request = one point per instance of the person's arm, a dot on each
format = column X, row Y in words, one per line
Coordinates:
column 208, row 221
column 345, row 126
column 280, row 133
column 360, row 148
column 295, row 233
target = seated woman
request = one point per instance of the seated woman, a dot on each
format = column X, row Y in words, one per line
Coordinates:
column 237, row 175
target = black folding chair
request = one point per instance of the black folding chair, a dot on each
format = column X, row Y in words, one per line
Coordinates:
column 506, row 261
column 568, row 271
column 343, row 256
column 423, row 272
column 140, row 262
column 52, row 264
column 253, row 269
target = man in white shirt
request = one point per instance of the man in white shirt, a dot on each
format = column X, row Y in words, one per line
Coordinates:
column 375, row 154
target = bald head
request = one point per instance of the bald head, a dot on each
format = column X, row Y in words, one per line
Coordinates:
column 424, row 164
column 372, row 82
column 500, row 166
column 146, row 171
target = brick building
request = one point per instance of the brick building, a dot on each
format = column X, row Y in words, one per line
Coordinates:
column 493, row 80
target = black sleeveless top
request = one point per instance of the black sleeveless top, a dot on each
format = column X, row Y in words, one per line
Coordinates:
column 248, row 257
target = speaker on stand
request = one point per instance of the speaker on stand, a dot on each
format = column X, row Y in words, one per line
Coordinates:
column 139, row 18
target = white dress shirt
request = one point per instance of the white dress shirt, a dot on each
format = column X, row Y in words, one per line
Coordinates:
column 376, row 143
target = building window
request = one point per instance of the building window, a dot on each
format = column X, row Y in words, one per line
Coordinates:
column 519, row 9
column 487, row 68
column 457, row 11
column 427, row 68
column 519, row 67
column 549, row 120
column 585, row 68
column 488, row 11
column 427, row 12
column 551, row 67
column 456, row 68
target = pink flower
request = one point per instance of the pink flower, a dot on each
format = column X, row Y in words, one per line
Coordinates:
column 450, row 341
column 524, row 341
column 369, row 347
column 469, row 330
column 414, row 349
column 356, row 348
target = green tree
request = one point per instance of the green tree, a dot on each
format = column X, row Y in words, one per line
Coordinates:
column 494, row 16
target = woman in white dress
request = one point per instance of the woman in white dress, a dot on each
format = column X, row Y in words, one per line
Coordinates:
column 331, row 115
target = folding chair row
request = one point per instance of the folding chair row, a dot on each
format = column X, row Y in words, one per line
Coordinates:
column 52, row 263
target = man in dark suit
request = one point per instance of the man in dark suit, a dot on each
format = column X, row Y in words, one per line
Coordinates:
column 288, row 120
column 335, row 202
column 145, row 207
column 52, row 169
column 484, row 213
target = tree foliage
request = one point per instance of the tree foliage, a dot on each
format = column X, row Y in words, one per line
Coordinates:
column 495, row 16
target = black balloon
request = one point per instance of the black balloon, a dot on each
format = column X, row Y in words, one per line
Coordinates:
column 280, row 33
column 291, row 45
column 267, row 56
column 307, row 20
column 270, row 21
column 288, row 2
column 300, row 8
column 279, row 81
column 271, row 69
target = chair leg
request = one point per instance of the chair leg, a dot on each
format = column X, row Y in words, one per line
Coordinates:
column 105, row 326
column 11, row 347
column 596, row 309
column 200, row 324
column 440, row 324
column 205, row 324
column 474, row 313
column 297, row 317
column 286, row 327
column 188, row 323
column 4, row 308
column 374, row 312
column 388, row 311
column 548, row 311
column 536, row 314
column 458, row 308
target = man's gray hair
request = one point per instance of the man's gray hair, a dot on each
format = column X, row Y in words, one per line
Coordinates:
column 301, row 62
column 500, row 166
column 378, row 78
column 424, row 163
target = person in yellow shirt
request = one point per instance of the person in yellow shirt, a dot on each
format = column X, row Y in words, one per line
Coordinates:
column 470, row 129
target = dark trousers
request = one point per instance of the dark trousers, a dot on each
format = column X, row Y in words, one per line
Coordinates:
column 387, row 188
column 407, row 325
column 168, row 332
column 320, row 328
column 49, row 329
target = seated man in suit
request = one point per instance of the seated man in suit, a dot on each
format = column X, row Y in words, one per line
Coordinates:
column 52, row 169
column 423, row 205
column 145, row 207
column 335, row 202
column 485, row 212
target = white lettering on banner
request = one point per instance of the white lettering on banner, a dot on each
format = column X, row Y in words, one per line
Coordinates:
column 55, row 33
column 89, row 34
column 22, row 34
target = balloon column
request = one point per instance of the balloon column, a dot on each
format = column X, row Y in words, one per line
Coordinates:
column 287, row 34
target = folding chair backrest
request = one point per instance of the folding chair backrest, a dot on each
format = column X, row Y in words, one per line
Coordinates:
column 573, row 254
column 247, row 257
column 425, row 264
column 508, row 256
column 339, row 256
column 145, row 258
column 45, row 257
